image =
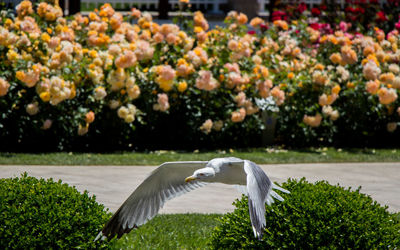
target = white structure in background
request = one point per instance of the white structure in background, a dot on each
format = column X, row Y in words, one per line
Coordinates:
column 149, row 3
column 310, row 3
column 216, row 4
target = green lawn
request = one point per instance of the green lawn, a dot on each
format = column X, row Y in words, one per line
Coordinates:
column 259, row 155
column 171, row 231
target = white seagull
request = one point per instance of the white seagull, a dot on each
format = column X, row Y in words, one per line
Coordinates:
column 172, row 179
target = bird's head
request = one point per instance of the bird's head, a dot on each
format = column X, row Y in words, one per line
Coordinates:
column 201, row 174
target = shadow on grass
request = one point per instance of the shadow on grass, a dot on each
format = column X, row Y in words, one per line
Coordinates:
column 366, row 151
column 7, row 155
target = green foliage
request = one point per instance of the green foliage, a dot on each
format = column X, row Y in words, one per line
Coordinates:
column 259, row 155
column 44, row 214
column 75, row 95
column 313, row 216
column 171, row 231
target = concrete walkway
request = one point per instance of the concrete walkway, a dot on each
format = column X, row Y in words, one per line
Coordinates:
column 113, row 184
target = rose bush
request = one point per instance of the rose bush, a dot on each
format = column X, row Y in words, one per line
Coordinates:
column 107, row 82
column 353, row 85
column 355, row 15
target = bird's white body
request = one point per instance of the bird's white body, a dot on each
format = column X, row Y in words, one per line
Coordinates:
column 172, row 179
column 231, row 173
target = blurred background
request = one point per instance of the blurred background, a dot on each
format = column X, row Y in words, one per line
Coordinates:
column 214, row 8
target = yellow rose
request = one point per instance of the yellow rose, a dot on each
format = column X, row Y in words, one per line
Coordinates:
column 45, row 96
column 197, row 29
column 93, row 54
column 336, row 89
column 336, row 58
column 123, row 112
column 165, row 85
column 182, row 86
column 8, row 22
column 12, row 55
column 129, row 118
column 350, row 85
column 20, row 75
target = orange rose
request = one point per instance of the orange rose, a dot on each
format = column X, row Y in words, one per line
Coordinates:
column 238, row 116
column 4, row 85
column 89, row 118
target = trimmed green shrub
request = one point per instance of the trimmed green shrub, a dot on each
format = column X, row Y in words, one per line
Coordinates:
column 44, row 214
column 313, row 216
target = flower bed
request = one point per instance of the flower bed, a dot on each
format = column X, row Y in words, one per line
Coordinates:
column 360, row 14
column 105, row 82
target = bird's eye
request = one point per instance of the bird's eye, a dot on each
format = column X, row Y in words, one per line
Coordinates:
column 201, row 174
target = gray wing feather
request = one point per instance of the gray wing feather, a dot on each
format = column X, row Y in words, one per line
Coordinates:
column 164, row 183
column 258, row 188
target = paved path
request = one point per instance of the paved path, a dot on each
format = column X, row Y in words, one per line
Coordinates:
column 113, row 184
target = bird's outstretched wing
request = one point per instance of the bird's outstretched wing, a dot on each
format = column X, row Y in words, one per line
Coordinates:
column 259, row 190
column 164, row 183
column 258, row 187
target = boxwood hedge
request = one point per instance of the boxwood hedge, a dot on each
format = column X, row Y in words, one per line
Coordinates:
column 44, row 214
column 313, row 216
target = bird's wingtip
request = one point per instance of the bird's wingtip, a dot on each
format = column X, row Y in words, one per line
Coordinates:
column 258, row 235
column 274, row 186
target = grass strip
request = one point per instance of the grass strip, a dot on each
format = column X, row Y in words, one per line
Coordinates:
column 258, row 155
column 171, row 231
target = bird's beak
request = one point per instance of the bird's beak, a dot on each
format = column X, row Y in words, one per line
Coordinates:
column 190, row 178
